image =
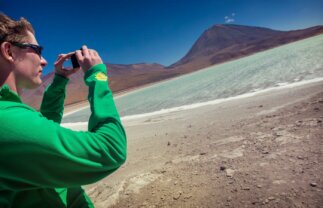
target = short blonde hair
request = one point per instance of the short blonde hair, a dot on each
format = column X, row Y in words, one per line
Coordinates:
column 15, row 31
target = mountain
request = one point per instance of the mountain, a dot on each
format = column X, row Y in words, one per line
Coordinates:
column 218, row 44
column 221, row 43
column 220, row 37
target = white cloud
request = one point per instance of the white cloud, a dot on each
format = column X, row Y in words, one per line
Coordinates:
column 229, row 19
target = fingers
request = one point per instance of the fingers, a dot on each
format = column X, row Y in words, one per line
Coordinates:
column 87, row 58
column 79, row 55
column 61, row 58
column 85, row 51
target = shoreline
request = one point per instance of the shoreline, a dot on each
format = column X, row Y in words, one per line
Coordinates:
column 220, row 100
column 85, row 105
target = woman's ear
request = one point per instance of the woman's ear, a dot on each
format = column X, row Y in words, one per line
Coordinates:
column 6, row 51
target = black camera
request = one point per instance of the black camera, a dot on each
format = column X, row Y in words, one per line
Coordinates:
column 75, row 63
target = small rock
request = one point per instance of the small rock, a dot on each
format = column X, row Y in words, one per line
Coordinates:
column 298, row 123
column 246, row 188
column 229, row 172
column 234, row 190
column 259, row 186
column 271, row 198
column 265, row 152
column 260, row 106
column 203, row 153
column 279, row 128
column 313, row 184
column 222, row 167
column 168, row 162
column 145, row 203
column 188, row 196
column 168, row 143
column 300, row 157
column 177, row 195
column 317, row 109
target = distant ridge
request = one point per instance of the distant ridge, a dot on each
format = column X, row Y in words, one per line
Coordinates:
column 218, row 44
column 221, row 43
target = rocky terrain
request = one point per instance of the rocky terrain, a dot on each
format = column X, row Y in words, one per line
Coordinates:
column 261, row 151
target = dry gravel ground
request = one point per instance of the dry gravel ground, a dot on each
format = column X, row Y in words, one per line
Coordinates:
column 262, row 151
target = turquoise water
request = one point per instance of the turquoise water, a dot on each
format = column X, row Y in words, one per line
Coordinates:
column 295, row 62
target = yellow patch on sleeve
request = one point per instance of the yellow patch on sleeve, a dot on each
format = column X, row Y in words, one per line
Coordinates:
column 101, row 76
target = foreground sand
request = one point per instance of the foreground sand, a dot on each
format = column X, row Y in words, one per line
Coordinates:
column 262, row 151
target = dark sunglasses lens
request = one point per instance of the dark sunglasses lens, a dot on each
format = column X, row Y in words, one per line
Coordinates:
column 37, row 49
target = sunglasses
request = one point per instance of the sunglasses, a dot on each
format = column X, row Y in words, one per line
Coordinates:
column 37, row 49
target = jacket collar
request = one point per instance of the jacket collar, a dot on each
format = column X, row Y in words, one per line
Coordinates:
column 6, row 94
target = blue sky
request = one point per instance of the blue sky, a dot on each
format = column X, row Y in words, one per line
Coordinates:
column 155, row 31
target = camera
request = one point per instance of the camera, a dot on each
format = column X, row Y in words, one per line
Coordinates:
column 74, row 61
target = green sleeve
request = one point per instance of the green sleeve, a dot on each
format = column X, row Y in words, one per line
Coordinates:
column 52, row 106
column 37, row 152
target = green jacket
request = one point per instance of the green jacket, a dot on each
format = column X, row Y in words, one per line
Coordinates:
column 43, row 164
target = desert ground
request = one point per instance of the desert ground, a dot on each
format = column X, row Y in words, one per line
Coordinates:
column 260, row 151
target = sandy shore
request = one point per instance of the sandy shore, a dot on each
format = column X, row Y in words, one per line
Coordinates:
column 262, row 151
